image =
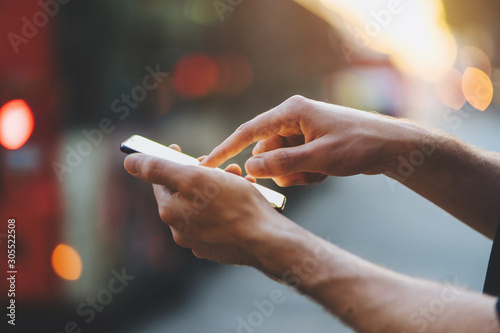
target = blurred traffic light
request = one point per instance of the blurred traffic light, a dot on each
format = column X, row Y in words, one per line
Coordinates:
column 16, row 124
column 66, row 262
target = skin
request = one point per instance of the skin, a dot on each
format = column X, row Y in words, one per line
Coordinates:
column 223, row 218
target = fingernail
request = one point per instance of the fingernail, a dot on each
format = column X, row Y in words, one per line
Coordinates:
column 132, row 163
column 255, row 166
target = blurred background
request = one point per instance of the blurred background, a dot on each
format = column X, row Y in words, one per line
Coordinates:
column 78, row 78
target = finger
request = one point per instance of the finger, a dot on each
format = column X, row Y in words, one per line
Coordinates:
column 260, row 128
column 283, row 161
column 251, row 179
column 182, row 240
column 244, row 135
column 274, row 142
column 300, row 178
column 175, row 147
column 233, row 168
column 159, row 171
column 278, row 141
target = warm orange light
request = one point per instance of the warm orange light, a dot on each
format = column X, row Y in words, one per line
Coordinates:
column 16, row 124
column 477, row 88
column 66, row 262
column 415, row 34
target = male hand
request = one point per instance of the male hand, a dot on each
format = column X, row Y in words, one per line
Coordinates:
column 219, row 215
column 302, row 141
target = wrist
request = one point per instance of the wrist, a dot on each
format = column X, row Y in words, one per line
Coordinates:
column 409, row 146
column 293, row 255
column 277, row 243
column 315, row 267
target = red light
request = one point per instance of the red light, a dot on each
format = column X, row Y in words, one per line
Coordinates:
column 235, row 74
column 195, row 76
column 16, row 124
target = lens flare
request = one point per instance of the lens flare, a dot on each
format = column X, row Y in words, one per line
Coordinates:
column 414, row 34
column 471, row 56
column 449, row 89
column 16, row 124
column 477, row 88
column 66, row 262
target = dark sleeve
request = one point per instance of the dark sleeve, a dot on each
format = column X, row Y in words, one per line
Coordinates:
column 492, row 282
column 498, row 309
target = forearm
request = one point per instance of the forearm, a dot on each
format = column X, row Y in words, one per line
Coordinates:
column 373, row 299
column 370, row 298
column 463, row 180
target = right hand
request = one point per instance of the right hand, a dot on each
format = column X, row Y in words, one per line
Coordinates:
column 302, row 141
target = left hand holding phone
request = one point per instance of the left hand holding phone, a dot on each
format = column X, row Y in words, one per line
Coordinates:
column 214, row 213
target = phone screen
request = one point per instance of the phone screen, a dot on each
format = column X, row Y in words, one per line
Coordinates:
column 139, row 144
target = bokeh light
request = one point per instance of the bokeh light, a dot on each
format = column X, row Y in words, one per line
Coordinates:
column 366, row 88
column 202, row 12
column 415, row 35
column 235, row 74
column 195, row 76
column 477, row 88
column 343, row 88
column 449, row 89
column 16, row 124
column 471, row 56
column 495, row 78
column 66, row 262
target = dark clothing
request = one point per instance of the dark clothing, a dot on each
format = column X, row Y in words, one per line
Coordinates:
column 498, row 309
column 492, row 282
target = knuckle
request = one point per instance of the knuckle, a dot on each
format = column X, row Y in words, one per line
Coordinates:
column 245, row 131
column 282, row 182
column 297, row 101
column 191, row 177
column 296, row 106
column 195, row 178
column 242, row 127
column 164, row 213
column 153, row 169
column 198, row 254
column 181, row 240
column 266, row 131
column 283, row 160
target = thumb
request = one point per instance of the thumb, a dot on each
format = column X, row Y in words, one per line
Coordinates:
column 280, row 162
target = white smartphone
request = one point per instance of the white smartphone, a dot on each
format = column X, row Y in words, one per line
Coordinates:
column 139, row 144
